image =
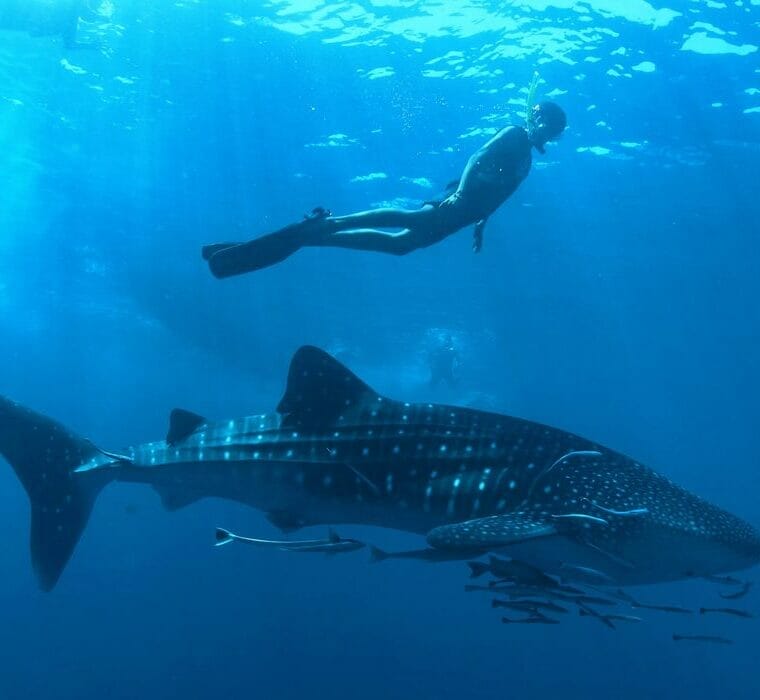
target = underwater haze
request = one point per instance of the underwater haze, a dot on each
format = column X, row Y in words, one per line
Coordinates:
column 616, row 296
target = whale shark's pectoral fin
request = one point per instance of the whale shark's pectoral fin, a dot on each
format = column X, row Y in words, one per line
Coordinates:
column 490, row 532
column 182, row 424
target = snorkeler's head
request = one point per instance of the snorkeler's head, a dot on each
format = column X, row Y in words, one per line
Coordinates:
column 547, row 122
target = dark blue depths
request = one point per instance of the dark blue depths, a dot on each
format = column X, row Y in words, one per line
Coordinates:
column 615, row 297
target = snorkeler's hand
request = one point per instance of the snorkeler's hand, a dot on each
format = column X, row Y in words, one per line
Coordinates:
column 477, row 236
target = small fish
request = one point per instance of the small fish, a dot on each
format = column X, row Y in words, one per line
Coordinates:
column 701, row 638
column 613, row 617
column 627, row 597
column 516, row 591
column 737, row 594
column 571, row 572
column 571, row 595
column 478, row 568
column 519, row 572
column 536, row 605
column 428, row 554
column 604, row 619
column 333, row 544
column 726, row 611
column 663, row 608
column 591, row 600
column 532, row 620
column 529, row 591
column 723, row 580
column 345, row 544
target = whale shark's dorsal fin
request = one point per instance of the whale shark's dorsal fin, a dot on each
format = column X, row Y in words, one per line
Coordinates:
column 319, row 390
column 182, row 423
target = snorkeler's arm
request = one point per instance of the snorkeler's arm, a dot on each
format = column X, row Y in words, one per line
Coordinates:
column 477, row 235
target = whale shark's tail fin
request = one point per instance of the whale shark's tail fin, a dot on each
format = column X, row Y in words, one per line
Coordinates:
column 45, row 455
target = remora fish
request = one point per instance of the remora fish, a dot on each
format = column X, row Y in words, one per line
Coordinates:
column 512, row 570
column 532, row 620
column 528, row 605
column 664, row 608
column 606, row 620
column 726, row 611
column 614, row 617
column 428, row 554
column 737, row 594
column 701, row 638
column 585, row 574
column 333, row 544
column 338, row 452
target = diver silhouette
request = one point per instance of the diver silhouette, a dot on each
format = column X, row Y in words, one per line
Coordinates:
column 491, row 176
column 443, row 362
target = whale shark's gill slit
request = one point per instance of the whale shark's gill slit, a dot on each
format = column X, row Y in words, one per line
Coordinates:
column 581, row 516
column 558, row 462
column 365, row 479
column 574, row 453
column 632, row 513
column 612, row 557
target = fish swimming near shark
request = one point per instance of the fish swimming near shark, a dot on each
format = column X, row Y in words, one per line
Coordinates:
column 709, row 638
column 528, row 605
column 336, row 452
column 534, row 619
column 513, row 571
column 737, row 594
column 614, row 617
column 727, row 611
column 332, row 544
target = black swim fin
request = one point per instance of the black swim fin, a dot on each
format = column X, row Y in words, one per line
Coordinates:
column 251, row 256
column 228, row 260
column 208, row 250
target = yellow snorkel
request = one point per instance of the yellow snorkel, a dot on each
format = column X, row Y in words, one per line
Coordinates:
column 530, row 101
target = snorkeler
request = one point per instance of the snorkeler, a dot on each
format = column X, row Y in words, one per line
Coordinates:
column 45, row 18
column 443, row 362
column 491, row 176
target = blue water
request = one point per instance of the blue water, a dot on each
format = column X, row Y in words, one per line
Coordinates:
column 616, row 297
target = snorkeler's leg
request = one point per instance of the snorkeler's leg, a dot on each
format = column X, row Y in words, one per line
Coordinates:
column 388, row 217
column 356, row 231
column 399, row 243
column 322, row 230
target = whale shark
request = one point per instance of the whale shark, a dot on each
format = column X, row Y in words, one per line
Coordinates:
column 335, row 451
